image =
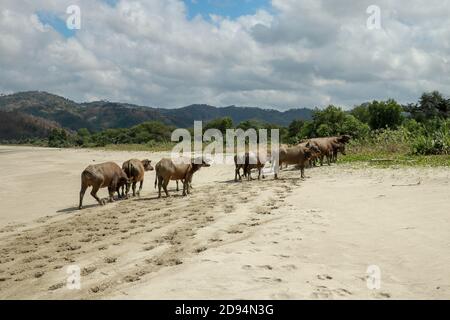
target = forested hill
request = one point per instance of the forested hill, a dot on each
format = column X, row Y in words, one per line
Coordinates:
column 97, row 116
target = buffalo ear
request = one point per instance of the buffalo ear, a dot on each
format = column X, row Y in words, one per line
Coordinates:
column 308, row 145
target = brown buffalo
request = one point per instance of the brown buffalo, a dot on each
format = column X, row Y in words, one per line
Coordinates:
column 167, row 170
column 106, row 175
column 329, row 145
column 298, row 155
column 135, row 171
column 338, row 147
column 247, row 162
column 326, row 148
column 315, row 153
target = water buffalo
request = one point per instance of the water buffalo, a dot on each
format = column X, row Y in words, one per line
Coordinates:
column 298, row 155
column 328, row 145
column 315, row 152
column 247, row 162
column 167, row 170
column 326, row 148
column 106, row 175
column 135, row 171
column 338, row 147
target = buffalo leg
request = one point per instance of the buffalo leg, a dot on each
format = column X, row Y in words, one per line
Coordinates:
column 160, row 182
column 184, row 188
column 94, row 195
column 82, row 192
column 165, row 184
column 134, row 189
column 140, row 188
column 111, row 190
column 188, row 187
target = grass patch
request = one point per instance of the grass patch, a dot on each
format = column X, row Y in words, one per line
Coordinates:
column 386, row 160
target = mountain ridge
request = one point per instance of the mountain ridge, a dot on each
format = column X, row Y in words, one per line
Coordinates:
column 101, row 115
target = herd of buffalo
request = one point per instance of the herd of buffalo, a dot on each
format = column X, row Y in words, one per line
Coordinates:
column 121, row 180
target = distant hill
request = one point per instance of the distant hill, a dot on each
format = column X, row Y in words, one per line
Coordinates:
column 185, row 117
column 16, row 126
column 51, row 110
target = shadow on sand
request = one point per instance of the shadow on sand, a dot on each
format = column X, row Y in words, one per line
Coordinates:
column 75, row 209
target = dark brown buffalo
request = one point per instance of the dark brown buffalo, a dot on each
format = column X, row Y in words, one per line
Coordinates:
column 315, row 153
column 247, row 162
column 167, row 170
column 106, row 175
column 338, row 147
column 135, row 171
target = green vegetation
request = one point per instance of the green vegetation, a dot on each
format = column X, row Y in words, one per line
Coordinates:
column 383, row 132
column 385, row 129
column 148, row 135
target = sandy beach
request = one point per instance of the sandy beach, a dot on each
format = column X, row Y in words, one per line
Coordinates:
column 285, row 239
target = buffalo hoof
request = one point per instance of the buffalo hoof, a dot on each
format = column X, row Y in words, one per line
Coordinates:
column 80, row 208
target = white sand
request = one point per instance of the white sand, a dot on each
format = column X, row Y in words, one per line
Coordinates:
column 286, row 239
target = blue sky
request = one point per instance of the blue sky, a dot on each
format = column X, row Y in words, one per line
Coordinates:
column 226, row 8
column 53, row 20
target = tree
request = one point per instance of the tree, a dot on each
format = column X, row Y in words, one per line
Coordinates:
column 83, row 137
column 292, row 134
column 58, row 138
column 361, row 112
column 385, row 114
column 251, row 124
column 221, row 124
column 431, row 105
column 295, row 127
column 333, row 117
column 355, row 127
column 333, row 121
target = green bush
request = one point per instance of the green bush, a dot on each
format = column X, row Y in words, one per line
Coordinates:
column 59, row 138
column 385, row 114
column 434, row 140
column 382, row 141
column 331, row 121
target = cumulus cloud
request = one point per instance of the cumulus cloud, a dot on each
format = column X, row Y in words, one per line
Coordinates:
column 303, row 53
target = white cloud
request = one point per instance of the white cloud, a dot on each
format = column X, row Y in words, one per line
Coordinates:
column 305, row 53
